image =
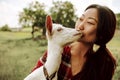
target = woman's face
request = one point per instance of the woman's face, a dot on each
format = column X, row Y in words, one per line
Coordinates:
column 87, row 24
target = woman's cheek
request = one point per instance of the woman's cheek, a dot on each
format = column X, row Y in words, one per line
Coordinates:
column 90, row 36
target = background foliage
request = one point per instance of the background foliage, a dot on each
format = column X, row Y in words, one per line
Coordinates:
column 5, row 28
column 63, row 13
column 118, row 20
column 35, row 14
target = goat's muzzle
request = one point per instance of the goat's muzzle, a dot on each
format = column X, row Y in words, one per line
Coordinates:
column 78, row 34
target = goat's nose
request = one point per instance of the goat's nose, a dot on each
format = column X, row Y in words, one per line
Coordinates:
column 78, row 30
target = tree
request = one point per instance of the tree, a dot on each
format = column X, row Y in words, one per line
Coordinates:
column 5, row 28
column 63, row 13
column 33, row 16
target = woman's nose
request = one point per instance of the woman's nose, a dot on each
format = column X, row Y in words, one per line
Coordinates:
column 80, row 26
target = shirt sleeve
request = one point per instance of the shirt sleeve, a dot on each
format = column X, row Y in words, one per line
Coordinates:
column 41, row 61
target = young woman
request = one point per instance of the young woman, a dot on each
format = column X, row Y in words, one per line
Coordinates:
column 79, row 61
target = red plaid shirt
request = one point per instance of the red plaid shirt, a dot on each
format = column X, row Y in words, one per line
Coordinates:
column 64, row 72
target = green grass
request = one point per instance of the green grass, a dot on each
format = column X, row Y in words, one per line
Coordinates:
column 114, row 46
column 19, row 54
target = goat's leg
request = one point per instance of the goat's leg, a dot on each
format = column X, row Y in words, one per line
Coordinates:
column 38, row 74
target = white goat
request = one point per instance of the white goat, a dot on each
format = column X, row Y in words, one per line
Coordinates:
column 58, row 36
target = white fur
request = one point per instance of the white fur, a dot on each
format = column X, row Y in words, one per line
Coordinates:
column 60, row 36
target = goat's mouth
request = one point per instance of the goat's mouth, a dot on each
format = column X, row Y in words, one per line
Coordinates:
column 68, row 43
column 78, row 34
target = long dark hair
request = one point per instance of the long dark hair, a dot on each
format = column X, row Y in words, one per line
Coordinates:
column 101, row 65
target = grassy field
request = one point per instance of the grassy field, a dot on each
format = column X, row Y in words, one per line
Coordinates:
column 19, row 54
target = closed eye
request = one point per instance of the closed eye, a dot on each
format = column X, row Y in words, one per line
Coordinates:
column 59, row 29
column 91, row 23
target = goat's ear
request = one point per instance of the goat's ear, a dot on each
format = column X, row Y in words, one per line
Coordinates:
column 48, row 24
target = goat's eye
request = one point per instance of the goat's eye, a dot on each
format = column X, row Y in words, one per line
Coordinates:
column 59, row 29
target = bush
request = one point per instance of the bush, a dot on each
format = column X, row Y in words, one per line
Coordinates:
column 5, row 28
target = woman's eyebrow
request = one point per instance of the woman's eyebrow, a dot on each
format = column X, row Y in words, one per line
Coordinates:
column 93, row 19
column 90, row 18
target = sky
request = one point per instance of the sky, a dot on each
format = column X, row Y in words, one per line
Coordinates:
column 10, row 9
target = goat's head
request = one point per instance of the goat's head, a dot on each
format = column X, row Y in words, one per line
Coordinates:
column 59, row 34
